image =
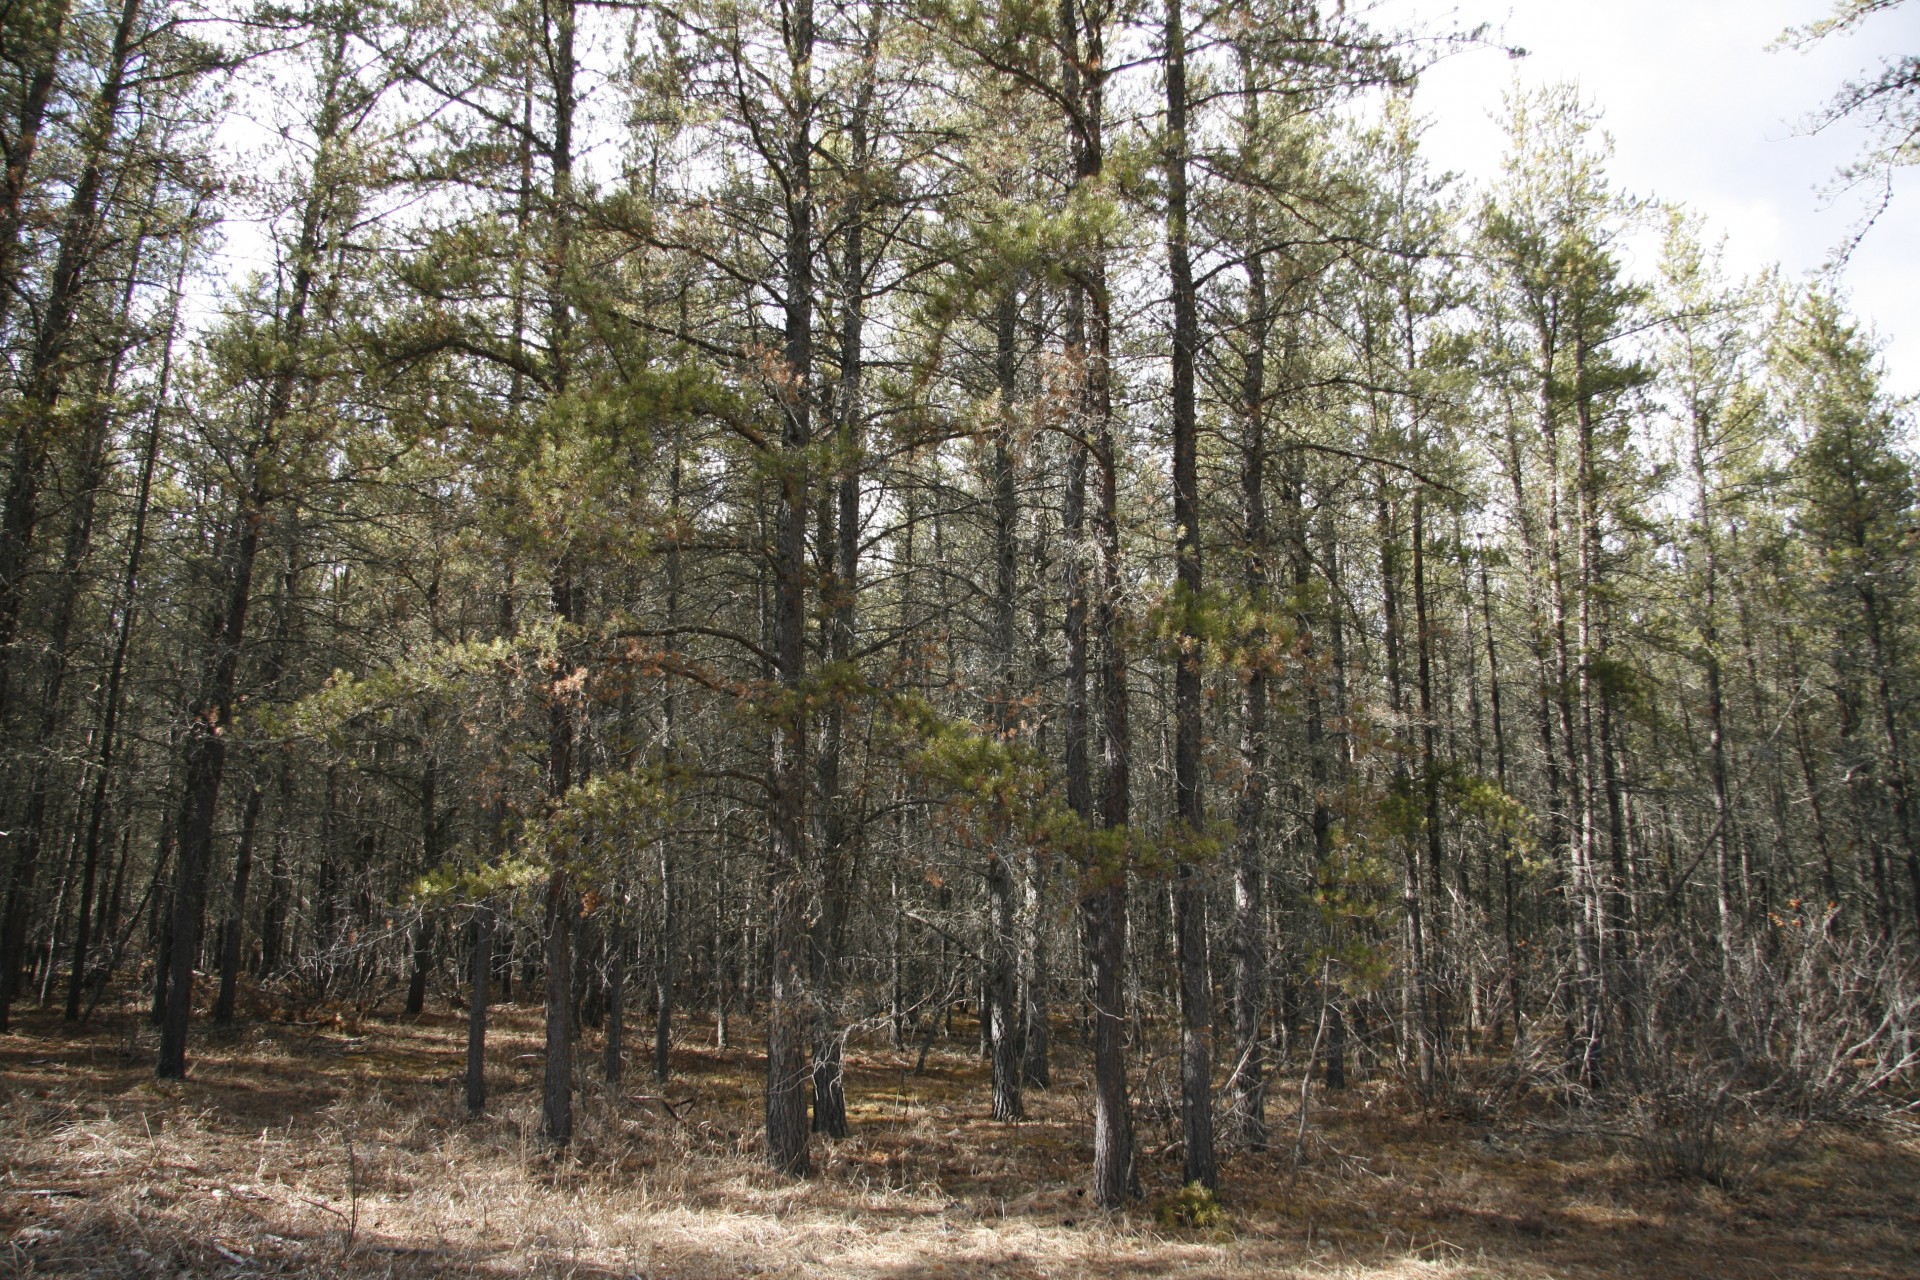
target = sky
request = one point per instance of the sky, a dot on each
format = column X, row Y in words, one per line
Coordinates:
column 1702, row 113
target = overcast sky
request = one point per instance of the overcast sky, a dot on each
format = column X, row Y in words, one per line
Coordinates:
column 1702, row 113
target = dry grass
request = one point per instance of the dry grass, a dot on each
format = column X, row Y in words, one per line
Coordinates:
column 344, row 1150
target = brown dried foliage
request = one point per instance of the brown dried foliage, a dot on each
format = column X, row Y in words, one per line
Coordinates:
column 342, row 1150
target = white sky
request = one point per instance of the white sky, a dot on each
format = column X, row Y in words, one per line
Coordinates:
column 1701, row 114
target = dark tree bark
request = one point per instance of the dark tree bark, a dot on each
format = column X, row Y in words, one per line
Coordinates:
column 562, row 903
column 206, row 754
column 481, row 969
column 1104, row 893
column 613, row 1057
column 556, row 1089
column 210, row 726
column 1003, row 1014
column 232, row 928
column 1507, row 925
column 34, row 39
column 1000, row 1012
column 430, row 854
column 423, row 931
column 1429, row 756
column 50, row 363
column 789, row 1020
column 1436, row 945
column 1248, row 1085
column 56, row 662
column 273, row 914
column 1036, row 1034
column 562, row 910
column 1418, row 991
column 49, row 369
column 1114, row 1174
column 840, row 542
column 1190, row 894
column 113, row 698
column 667, row 972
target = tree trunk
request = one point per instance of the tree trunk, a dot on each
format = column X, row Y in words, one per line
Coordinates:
column 613, row 1064
column 1506, row 840
column 1190, row 894
column 562, row 904
column 480, row 969
column 44, row 23
column 273, row 915
column 1590, row 893
column 234, row 927
column 423, row 930
column 206, row 755
column 1104, row 892
column 556, row 1090
column 1419, row 1007
column 789, row 1020
column 1002, row 1013
column 209, row 728
column 49, row 367
column 1248, row 1085
column 114, row 697
column 668, row 971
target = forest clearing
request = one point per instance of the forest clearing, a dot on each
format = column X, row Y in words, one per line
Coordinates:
column 243, row 1171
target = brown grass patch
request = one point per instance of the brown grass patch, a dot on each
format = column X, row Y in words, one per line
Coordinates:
column 343, row 1149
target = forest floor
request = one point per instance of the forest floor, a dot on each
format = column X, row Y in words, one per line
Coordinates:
column 342, row 1149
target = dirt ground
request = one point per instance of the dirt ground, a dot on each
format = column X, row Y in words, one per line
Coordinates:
column 342, row 1149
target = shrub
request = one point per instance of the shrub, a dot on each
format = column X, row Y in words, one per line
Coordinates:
column 1194, row 1205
